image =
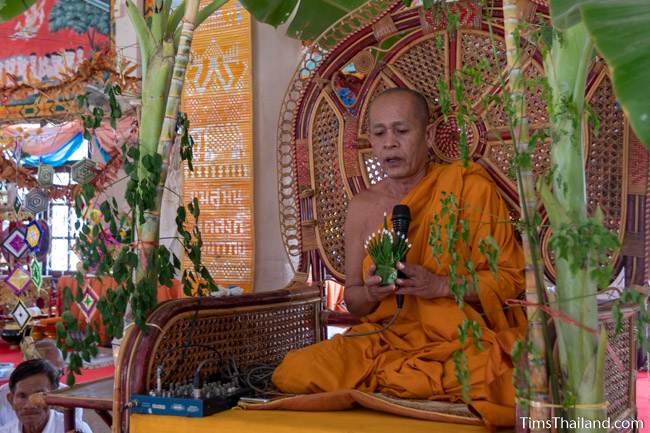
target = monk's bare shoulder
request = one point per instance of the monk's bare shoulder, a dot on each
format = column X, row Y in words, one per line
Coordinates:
column 364, row 204
column 368, row 198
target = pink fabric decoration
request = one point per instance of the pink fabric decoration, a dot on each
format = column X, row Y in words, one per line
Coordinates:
column 42, row 141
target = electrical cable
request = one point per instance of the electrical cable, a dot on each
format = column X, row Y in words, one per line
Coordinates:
column 259, row 380
column 188, row 338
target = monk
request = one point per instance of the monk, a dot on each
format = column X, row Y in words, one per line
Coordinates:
column 413, row 357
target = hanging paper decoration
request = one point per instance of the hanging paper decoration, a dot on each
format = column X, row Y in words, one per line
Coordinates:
column 88, row 304
column 21, row 314
column 36, row 270
column 33, row 235
column 83, row 171
column 44, row 241
column 17, row 204
column 36, row 201
column 45, row 175
column 18, row 280
column 15, row 244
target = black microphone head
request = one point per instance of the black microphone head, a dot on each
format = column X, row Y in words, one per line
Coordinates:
column 401, row 218
column 402, row 211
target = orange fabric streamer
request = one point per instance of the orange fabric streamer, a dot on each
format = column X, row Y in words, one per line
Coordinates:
column 413, row 358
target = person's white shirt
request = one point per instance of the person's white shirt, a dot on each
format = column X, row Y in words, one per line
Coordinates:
column 54, row 424
column 8, row 416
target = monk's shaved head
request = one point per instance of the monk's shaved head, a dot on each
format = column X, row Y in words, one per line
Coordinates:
column 420, row 105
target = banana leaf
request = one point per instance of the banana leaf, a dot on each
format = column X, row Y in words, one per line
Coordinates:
column 565, row 13
column 311, row 19
column 12, row 8
column 620, row 31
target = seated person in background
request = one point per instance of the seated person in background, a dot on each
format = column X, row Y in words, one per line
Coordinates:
column 33, row 415
column 46, row 350
column 413, row 358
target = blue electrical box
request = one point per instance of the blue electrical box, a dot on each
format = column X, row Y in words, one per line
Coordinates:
column 142, row 403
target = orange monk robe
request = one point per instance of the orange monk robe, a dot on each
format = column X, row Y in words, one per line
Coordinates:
column 413, row 358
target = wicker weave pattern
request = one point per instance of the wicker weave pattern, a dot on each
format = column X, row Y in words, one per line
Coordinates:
column 476, row 48
column 287, row 175
column 500, row 154
column 373, row 168
column 617, row 382
column 423, row 65
column 331, row 200
column 259, row 336
column 605, row 174
column 495, row 118
column 379, row 88
column 535, row 104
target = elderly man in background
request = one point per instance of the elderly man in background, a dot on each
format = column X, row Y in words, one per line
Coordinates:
column 30, row 378
column 44, row 350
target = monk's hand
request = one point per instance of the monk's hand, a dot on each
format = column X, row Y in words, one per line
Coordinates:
column 421, row 282
column 375, row 292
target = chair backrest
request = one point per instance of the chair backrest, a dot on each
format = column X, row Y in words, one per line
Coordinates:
column 253, row 329
column 325, row 158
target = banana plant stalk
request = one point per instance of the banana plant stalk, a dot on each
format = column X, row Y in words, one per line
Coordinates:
column 540, row 359
column 582, row 354
column 165, row 45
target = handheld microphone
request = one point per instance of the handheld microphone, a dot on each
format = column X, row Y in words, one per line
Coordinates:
column 401, row 219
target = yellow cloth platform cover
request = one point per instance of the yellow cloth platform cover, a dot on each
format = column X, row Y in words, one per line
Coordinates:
column 279, row 421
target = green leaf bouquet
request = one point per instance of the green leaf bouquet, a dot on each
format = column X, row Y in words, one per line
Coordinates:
column 386, row 248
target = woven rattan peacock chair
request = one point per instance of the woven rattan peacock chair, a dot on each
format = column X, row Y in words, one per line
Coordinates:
column 324, row 159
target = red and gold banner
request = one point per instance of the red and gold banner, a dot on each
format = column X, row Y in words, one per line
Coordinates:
column 218, row 98
column 47, row 41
